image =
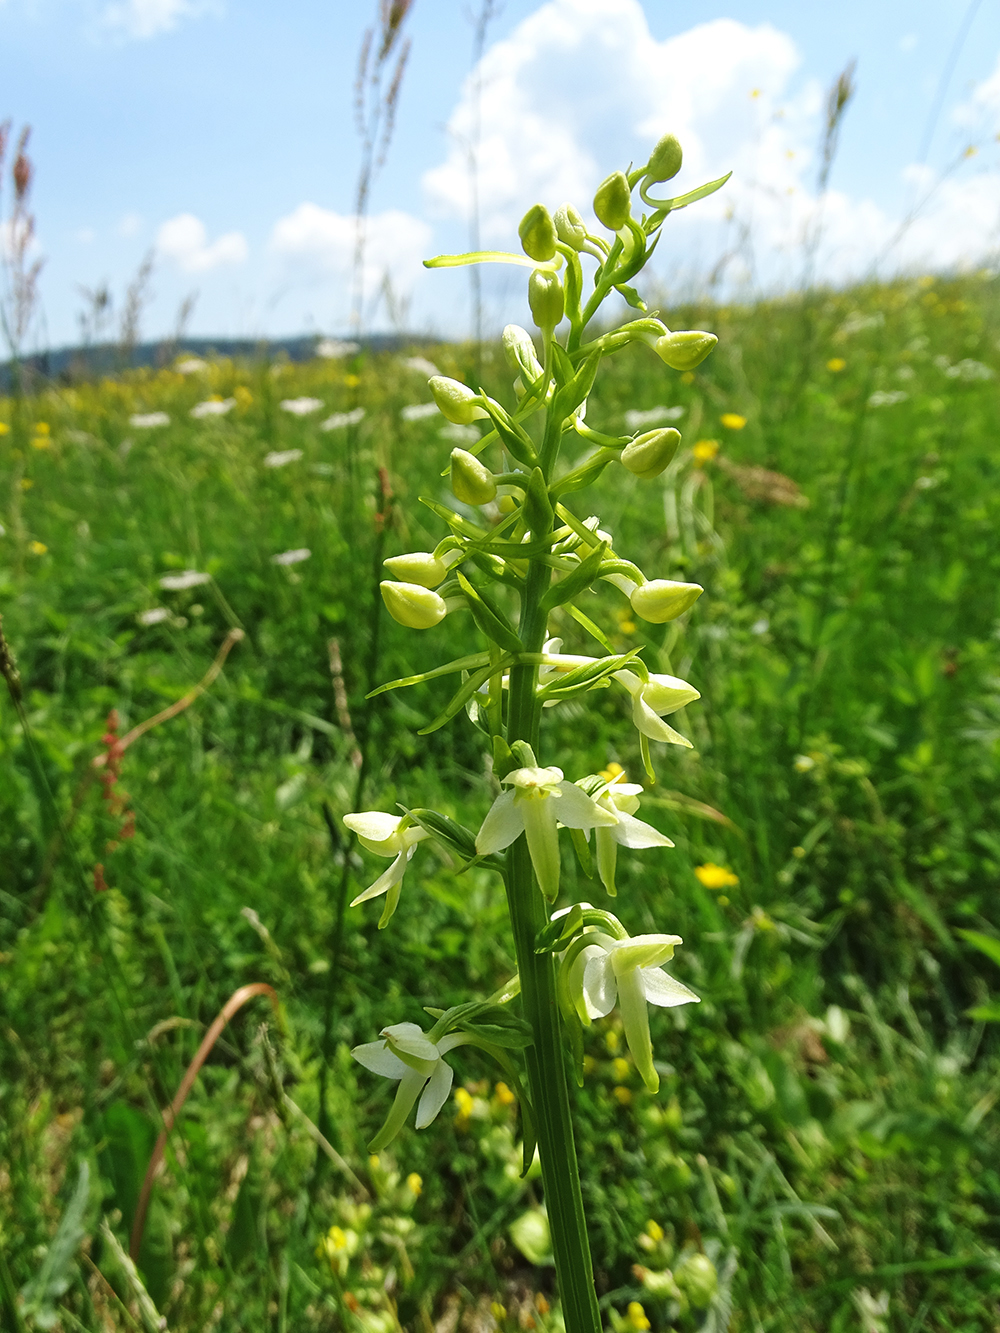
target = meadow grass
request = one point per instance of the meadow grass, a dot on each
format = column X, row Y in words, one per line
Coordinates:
column 825, row 1129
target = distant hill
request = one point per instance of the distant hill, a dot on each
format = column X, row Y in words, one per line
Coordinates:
column 81, row 363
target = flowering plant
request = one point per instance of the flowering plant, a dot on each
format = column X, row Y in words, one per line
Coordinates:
column 532, row 548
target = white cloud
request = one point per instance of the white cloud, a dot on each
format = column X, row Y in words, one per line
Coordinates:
column 185, row 240
column 319, row 242
column 130, row 224
column 580, row 87
column 138, row 20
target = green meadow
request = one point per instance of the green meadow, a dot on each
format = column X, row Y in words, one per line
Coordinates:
column 826, row 1136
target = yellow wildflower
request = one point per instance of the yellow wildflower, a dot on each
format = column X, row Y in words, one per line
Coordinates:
column 415, row 1184
column 352, row 381
column 611, row 1041
column 463, row 1100
column 243, row 396
column 636, row 1317
column 41, row 442
column 4, row 428
column 715, row 877
column 37, row 548
column 687, row 377
column 612, row 771
column 704, row 451
column 624, row 1097
column 733, row 421
column 620, row 1069
column 26, row 483
column 836, row 364
column 42, row 428
column 654, row 1231
column 504, row 1095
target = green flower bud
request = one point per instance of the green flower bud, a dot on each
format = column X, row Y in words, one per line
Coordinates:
column 684, row 351
column 545, row 299
column 650, row 453
column 664, row 161
column 570, row 228
column 413, row 606
column 519, row 349
column 661, row 600
column 538, row 235
column 419, row 567
column 456, row 401
column 613, row 201
column 471, row 482
column 697, row 1278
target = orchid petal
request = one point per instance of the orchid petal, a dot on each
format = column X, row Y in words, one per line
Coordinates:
column 503, row 823
column 435, row 1094
column 654, row 727
column 635, row 1021
column 577, row 810
column 374, row 826
column 636, row 834
column 607, row 841
column 539, row 818
column 406, row 1094
column 600, row 986
column 643, row 951
column 376, row 1056
column 409, row 1039
column 663, row 990
column 387, row 878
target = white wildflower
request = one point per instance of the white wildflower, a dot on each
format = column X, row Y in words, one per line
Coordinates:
column 334, row 349
column 340, row 419
column 292, row 557
column 417, row 411
column 144, row 420
column 189, row 578
column 279, row 457
column 213, row 407
column 155, row 616
column 300, row 407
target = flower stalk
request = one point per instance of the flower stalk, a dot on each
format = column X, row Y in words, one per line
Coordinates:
column 580, row 962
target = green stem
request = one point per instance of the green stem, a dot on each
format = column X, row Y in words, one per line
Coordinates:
column 545, row 1058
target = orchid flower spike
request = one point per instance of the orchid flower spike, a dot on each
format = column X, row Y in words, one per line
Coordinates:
column 628, row 971
column 654, row 699
column 386, row 835
column 541, row 800
column 622, row 798
column 406, row 1054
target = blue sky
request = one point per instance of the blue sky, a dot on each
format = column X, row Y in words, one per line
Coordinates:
column 219, row 134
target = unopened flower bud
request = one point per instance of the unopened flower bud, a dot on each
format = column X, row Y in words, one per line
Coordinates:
column 538, row 235
column 650, row 453
column 613, row 201
column 418, row 567
column 664, row 161
column 519, row 349
column 661, row 600
column 545, row 299
column 413, row 606
column 570, row 227
column 684, row 351
column 455, row 400
column 697, row 1278
column 471, row 481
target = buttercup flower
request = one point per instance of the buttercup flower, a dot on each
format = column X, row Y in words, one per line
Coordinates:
column 715, row 877
column 381, row 833
column 540, row 801
column 628, row 972
column 406, row 1054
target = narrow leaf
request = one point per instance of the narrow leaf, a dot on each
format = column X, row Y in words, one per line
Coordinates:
column 490, row 618
column 593, row 630
column 457, row 701
column 459, row 664
column 491, row 257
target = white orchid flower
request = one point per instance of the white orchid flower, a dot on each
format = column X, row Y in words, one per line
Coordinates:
column 381, row 833
column 406, row 1054
column 622, row 798
column 653, row 699
column 627, row 971
column 541, row 800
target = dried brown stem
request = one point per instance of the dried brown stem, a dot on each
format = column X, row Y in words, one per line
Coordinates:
column 236, row 1001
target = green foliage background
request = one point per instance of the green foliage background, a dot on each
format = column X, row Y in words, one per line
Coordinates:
column 827, row 1113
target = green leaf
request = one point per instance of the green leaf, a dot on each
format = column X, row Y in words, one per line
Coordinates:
column 491, row 257
column 516, row 440
column 582, row 477
column 593, row 630
column 986, row 944
column 584, row 678
column 467, row 690
column 496, row 1023
column 563, row 369
column 503, row 758
column 986, row 1013
column 454, row 520
column 537, row 505
column 490, row 619
column 631, row 296
column 459, row 664
column 446, row 830
column 569, row 398
column 576, row 582
column 554, row 937
column 666, row 206
column 58, row 1268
